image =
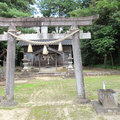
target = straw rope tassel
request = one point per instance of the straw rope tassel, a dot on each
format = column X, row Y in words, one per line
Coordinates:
column 30, row 48
column 45, row 51
column 60, row 47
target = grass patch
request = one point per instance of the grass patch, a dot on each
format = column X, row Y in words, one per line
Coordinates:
column 2, row 91
column 61, row 112
column 58, row 89
column 42, row 97
column 55, row 89
column 93, row 83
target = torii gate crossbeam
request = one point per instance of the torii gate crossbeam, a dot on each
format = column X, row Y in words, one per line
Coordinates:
column 12, row 23
column 36, row 22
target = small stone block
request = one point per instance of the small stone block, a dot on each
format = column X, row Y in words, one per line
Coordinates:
column 108, row 98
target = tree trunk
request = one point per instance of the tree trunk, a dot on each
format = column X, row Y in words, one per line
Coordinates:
column 105, row 60
column 112, row 59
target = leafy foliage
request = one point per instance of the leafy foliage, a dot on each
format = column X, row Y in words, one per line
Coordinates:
column 104, row 45
column 58, row 7
column 105, row 32
column 83, row 12
column 104, row 40
column 15, row 9
column 26, row 30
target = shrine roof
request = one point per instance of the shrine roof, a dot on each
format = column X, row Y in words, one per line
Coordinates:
column 64, row 42
column 49, row 49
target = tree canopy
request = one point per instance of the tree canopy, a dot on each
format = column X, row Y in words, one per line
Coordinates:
column 104, row 46
column 14, row 9
column 58, row 7
column 105, row 31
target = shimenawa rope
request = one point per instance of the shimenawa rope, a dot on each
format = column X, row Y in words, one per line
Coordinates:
column 44, row 43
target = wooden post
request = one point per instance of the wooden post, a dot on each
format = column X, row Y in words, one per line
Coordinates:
column 10, row 69
column 56, row 61
column 63, row 59
column 32, row 60
column 78, row 69
column 39, row 62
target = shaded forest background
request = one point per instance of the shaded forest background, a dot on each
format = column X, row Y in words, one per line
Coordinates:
column 104, row 46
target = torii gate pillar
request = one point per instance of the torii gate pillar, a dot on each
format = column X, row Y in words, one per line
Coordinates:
column 78, row 69
column 10, row 69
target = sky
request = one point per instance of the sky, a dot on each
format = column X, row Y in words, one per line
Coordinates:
column 37, row 11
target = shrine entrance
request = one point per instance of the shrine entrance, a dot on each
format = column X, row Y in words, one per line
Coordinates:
column 49, row 60
column 11, row 36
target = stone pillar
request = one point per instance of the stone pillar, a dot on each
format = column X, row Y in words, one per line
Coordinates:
column 25, row 63
column 44, row 29
column 78, row 69
column 10, row 69
column 70, row 73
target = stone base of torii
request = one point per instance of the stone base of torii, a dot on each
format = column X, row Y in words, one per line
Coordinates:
column 12, row 23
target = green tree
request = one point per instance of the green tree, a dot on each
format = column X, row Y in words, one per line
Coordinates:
column 58, row 7
column 105, row 31
column 86, row 3
column 14, row 9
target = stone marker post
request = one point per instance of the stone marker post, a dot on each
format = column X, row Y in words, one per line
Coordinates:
column 78, row 69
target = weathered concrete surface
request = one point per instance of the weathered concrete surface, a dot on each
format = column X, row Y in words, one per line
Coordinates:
column 70, row 74
column 81, row 101
column 99, row 109
column 108, row 98
column 98, row 73
column 24, row 74
column 50, row 74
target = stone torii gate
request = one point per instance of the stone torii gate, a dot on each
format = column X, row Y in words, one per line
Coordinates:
column 12, row 23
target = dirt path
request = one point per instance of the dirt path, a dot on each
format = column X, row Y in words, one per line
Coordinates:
column 14, row 114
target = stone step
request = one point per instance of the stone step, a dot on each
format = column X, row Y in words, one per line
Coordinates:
column 50, row 73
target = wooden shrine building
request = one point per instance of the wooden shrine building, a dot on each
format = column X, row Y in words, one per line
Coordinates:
column 53, row 58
